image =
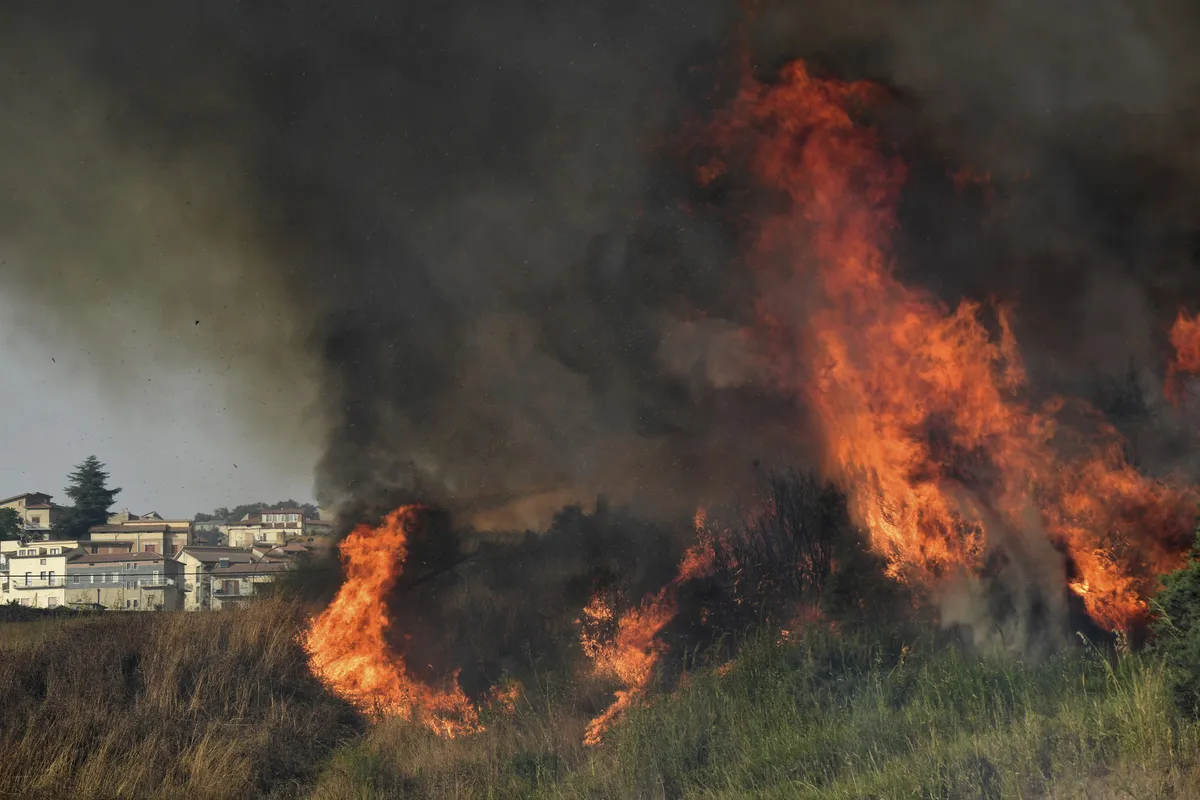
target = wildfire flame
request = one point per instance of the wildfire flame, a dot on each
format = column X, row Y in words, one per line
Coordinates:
column 346, row 643
column 1185, row 340
column 921, row 406
column 629, row 655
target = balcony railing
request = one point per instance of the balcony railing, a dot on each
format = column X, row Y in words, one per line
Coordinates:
column 38, row 583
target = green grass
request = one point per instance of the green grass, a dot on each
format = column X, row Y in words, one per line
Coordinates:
column 222, row 705
column 825, row 717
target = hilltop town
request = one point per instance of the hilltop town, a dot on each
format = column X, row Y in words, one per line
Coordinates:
column 143, row 562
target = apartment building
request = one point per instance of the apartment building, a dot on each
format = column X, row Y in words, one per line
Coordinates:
column 129, row 581
column 35, row 573
column 198, row 564
column 36, row 511
column 149, row 533
column 232, row 584
column 273, row 526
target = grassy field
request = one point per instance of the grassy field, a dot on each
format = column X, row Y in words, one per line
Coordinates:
column 823, row 717
column 221, row 705
column 166, row 705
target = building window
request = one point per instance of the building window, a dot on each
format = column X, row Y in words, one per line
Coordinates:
column 51, row 602
column 128, row 603
column 95, row 578
column 43, row 562
column 42, row 576
column 51, row 577
column 54, row 551
column 36, row 519
column 29, row 579
column 150, row 548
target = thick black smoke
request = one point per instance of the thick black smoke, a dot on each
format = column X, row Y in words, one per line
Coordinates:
column 459, row 227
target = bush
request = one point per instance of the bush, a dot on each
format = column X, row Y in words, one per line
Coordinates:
column 1177, row 630
column 796, row 557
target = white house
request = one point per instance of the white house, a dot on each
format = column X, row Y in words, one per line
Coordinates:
column 36, row 572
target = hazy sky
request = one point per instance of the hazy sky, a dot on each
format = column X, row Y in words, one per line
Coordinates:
column 169, row 441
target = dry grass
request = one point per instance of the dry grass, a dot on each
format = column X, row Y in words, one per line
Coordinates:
column 163, row 705
column 222, row 705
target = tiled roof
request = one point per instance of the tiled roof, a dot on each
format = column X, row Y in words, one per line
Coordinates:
column 26, row 494
column 105, row 558
column 260, row 568
column 215, row 554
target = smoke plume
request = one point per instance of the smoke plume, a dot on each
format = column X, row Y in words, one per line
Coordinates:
column 462, row 232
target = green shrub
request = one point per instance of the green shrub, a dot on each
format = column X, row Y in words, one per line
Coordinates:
column 1177, row 630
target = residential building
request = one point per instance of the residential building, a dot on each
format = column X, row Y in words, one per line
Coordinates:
column 37, row 512
column 148, row 533
column 198, row 564
column 35, row 573
column 129, row 581
column 233, row 583
column 273, row 526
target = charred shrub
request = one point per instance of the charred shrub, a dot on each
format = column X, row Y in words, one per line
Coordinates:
column 510, row 606
column 796, row 557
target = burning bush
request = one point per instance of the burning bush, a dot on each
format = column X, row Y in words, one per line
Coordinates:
column 793, row 558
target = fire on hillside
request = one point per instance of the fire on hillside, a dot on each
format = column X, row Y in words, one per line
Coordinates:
column 958, row 475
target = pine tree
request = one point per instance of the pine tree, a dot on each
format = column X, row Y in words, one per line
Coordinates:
column 89, row 489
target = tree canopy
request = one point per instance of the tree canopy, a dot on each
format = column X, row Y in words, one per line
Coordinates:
column 10, row 524
column 88, row 488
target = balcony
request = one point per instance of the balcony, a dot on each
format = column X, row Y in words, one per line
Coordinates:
column 157, row 583
column 38, row 583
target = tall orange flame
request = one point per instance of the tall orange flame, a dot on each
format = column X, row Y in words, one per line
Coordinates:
column 346, row 643
column 920, row 405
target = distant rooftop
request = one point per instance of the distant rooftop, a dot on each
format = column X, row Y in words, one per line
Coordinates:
column 107, row 558
column 26, row 494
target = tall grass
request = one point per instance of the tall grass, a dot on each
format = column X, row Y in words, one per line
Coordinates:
column 827, row 716
column 222, row 705
column 163, row 705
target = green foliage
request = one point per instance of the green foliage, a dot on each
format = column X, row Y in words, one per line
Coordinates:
column 1177, row 630
column 89, row 490
column 10, row 524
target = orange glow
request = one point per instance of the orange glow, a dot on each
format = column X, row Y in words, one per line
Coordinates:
column 628, row 653
column 347, row 647
column 1185, row 340
column 921, row 406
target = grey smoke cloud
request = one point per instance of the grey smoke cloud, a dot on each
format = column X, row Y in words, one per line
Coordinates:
column 457, row 232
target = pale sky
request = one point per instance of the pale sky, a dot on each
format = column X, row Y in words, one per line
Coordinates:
column 169, row 441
